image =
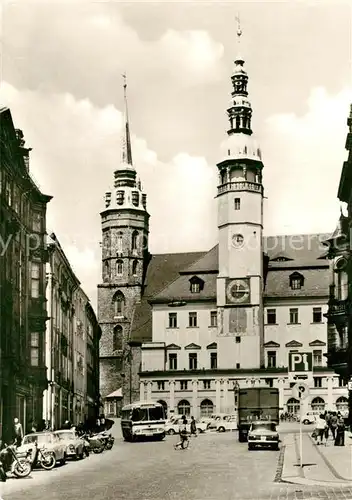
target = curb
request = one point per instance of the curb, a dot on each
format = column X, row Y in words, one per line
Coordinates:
column 328, row 464
column 280, row 465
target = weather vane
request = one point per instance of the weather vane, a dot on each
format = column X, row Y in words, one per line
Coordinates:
column 239, row 31
column 124, row 80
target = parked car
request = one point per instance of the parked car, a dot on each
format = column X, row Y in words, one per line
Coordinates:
column 263, row 434
column 74, row 444
column 223, row 422
column 45, row 440
column 310, row 417
column 172, row 426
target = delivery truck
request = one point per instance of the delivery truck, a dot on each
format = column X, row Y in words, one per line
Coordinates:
column 256, row 403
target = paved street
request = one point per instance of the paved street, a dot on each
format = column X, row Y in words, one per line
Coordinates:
column 215, row 467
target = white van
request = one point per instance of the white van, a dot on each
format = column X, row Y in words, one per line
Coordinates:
column 310, row 417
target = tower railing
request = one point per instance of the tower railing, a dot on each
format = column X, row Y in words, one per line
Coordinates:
column 240, row 186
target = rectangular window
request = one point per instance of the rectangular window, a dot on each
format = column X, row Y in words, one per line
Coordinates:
column 206, row 384
column 294, row 316
column 238, row 366
column 237, row 203
column 317, row 381
column 238, row 339
column 192, row 320
column 271, row 316
column 195, row 287
column 172, row 361
column 37, row 222
column 296, row 283
column 317, row 358
column 271, row 359
column 161, row 385
column 35, row 279
column 172, row 320
column 213, row 318
column 213, row 360
column 34, row 349
column 317, row 315
column 192, row 360
column 184, row 385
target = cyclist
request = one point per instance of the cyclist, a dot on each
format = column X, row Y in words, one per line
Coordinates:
column 183, row 443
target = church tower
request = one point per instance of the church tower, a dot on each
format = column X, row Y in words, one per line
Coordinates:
column 125, row 227
column 240, row 223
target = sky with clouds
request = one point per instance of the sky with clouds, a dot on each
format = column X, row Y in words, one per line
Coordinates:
column 61, row 69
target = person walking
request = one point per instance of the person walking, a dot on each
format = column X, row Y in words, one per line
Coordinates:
column 333, row 424
column 183, row 443
column 18, row 432
column 193, row 427
column 320, row 427
column 340, row 433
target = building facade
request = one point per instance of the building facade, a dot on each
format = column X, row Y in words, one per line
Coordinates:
column 72, row 345
column 340, row 255
column 230, row 318
column 125, row 228
column 23, row 311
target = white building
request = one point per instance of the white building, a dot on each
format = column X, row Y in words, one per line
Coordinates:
column 211, row 322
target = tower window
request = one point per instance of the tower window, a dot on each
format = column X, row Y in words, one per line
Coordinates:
column 119, row 242
column 119, row 302
column 117, row 338
column 106, row 271
column 135, row 198
column 237, row 204
column 120, row 195
column 135, row 267
column 119, row 267
column 134, row 240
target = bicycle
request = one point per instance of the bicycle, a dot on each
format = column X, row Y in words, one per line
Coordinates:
column 183, row 444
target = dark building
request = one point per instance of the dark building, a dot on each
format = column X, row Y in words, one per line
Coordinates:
column 340, row 303
column 23, row 255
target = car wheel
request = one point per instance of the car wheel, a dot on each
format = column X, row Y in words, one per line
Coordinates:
column 199, row 431
column 276, row 447
column 221, row 429
column 306, row 422
column 250, row 447
column 63, row 461
column 171, row 432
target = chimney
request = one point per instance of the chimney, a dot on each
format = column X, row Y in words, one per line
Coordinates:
column 24, row 151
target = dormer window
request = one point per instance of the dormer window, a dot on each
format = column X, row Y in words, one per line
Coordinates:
column 196, row 284
column 296, row 281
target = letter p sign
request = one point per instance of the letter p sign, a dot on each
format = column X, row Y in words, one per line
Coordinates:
column 300, row 361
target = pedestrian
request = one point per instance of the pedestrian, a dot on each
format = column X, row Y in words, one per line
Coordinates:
column 193, row 427
column 340, row 433
column 183, row 433
column 333, row 424
column 320, row 427
column 18, row 432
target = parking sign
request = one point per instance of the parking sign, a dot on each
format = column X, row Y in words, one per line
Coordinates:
column 300, row 362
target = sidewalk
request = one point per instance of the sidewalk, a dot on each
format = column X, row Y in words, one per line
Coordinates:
column 322, row 465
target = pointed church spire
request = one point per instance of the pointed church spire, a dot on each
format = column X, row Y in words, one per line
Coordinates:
column 126, row 138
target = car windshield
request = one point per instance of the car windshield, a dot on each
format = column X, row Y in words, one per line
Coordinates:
column 39, row 438
column 66, row 435
column 264, row 426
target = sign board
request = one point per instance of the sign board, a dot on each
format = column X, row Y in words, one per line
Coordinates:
column 349, row 385
column 300, row 361
column 300, row 391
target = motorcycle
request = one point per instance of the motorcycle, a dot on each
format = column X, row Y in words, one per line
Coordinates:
column 95, row 444
column 39, row 457
column 10, row 462
column 106, row 439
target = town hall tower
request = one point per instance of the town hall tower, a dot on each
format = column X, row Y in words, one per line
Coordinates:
column 240, row 223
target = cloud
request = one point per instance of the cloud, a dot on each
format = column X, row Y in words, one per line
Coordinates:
column 303, row 161
column 76, row 148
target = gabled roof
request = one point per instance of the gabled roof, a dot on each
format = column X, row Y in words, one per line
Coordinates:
column 208, row 262
column 193, row 346
column 213, row 345
column 293, row 343
column 271, row 343
column 173, row 346
column 316, row 283
column 316, row 343
column 115, row 394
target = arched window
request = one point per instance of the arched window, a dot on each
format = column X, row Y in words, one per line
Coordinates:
column 106, row 270
column 341, row 282
column 342, row 404
column 134, row 240
column 119, row 242
column 164, row 405
column 238, row 122
column 119, row 267
column 293, row 406
column 119, row 302
column 183, row 407
column 135, row 267
column 318, row 404
column 117, row 338
column 206, row 408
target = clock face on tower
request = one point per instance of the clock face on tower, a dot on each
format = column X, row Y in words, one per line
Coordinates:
column 237, row 291
column 237, row 240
